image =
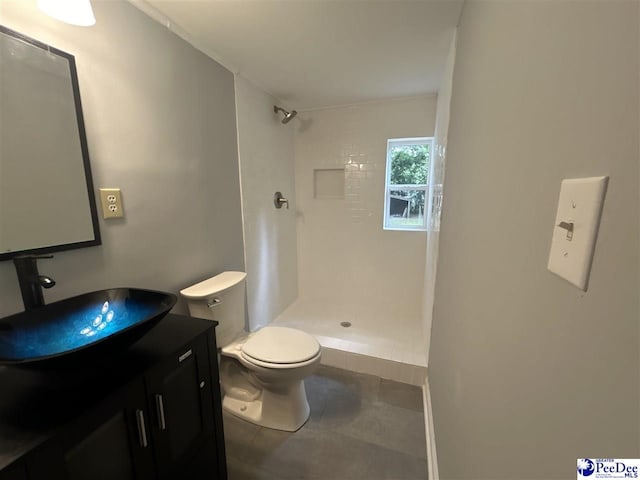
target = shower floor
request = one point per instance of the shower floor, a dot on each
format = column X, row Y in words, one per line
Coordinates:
column 377, row 342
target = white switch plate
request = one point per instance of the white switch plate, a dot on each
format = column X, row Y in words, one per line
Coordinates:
column 580, row 205
column 111, row 200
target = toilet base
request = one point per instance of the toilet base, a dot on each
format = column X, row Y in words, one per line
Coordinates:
column 282, row 409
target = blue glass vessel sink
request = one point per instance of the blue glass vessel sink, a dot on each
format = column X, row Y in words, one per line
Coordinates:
column 72, row 329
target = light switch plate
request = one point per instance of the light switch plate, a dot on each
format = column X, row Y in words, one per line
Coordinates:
column 576, row 228
column 111, row 200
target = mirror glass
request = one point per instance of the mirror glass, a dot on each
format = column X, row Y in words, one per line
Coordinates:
column 46, row 192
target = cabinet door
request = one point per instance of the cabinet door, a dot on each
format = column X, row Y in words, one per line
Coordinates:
column 15, row 472
column 180, row 396
column 109, row 442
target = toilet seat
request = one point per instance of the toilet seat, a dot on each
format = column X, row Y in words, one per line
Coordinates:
column 277, row 366
column 280, row 347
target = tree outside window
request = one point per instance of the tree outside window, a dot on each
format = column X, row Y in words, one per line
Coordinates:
column 408, row 162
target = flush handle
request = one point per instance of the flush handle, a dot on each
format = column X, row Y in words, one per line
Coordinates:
column 214, row 302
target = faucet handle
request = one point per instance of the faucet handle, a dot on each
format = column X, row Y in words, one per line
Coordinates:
column 31, row 282
column 46, row 282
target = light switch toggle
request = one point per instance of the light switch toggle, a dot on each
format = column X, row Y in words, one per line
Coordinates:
column 568, row 226
column 578, row 218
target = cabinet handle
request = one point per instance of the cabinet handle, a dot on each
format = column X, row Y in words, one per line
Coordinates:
column 185, row 355
column 160, row 409
column 142, row 430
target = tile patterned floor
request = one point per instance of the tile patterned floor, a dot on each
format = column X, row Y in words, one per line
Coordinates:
column 361, row 427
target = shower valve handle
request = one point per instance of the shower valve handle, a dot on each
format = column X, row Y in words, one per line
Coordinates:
column 279, row 200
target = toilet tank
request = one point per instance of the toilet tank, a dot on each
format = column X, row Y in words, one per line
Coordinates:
column 219, row 298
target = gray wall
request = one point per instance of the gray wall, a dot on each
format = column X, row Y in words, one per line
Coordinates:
column 527, row 373
column 160, row 121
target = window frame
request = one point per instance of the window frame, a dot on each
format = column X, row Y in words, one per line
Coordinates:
column 388, row 187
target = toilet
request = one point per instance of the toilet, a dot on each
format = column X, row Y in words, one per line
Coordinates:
column 262, row 373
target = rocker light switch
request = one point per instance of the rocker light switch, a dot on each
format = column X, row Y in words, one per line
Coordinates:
column 576, row 228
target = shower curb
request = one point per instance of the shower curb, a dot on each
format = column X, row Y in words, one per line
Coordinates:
column 372, row 365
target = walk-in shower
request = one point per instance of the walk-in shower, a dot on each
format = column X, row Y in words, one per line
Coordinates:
column 326, row 266
column 359, row 287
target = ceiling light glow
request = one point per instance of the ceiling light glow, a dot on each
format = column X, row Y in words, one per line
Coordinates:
column 75, row 12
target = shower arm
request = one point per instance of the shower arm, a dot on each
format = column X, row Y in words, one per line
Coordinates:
column 287, row 115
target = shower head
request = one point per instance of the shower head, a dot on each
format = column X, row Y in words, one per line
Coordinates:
column 287, row 115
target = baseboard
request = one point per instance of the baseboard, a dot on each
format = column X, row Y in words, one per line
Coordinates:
column 432, row 457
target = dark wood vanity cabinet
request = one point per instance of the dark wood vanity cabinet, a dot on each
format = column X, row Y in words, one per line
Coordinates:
column 101, row 443
column 182, row 407
column 15, row 472
column 153, row 412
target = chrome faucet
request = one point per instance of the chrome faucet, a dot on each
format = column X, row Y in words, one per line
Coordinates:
column 31, row 282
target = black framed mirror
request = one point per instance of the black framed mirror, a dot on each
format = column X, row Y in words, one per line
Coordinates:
column 47, row 200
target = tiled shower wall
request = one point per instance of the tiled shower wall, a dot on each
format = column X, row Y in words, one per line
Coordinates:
column 266, row 164
column 344, row 255
column 437, row 175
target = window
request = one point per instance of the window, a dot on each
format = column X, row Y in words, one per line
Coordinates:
column 408, row 161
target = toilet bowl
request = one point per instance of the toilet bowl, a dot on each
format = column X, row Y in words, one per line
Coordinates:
column 262, row 373
column 269, row 388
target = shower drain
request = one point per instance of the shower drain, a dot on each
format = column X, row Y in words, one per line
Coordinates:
column 345, row 324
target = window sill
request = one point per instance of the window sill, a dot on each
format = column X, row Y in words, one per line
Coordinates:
column 400, row 229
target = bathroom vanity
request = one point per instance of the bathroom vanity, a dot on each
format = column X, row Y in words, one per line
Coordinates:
column 150, row 412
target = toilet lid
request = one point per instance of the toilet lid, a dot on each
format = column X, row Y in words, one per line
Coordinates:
column 281, row 345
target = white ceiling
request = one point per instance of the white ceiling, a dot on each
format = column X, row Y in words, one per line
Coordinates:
column 318, row 53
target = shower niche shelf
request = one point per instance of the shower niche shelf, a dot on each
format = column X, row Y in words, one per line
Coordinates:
column 328, row 183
